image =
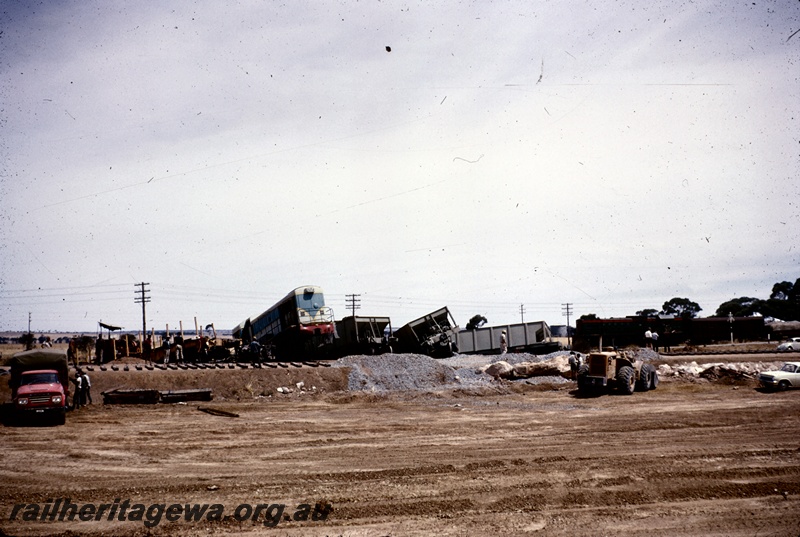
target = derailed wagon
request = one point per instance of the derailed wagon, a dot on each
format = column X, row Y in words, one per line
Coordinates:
column 434, row 334
column 363, row 335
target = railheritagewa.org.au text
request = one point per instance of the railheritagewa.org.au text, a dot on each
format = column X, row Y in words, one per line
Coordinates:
column 268, row 514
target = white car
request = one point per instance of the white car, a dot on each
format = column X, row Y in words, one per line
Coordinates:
column 792, row 345
column 787, row 377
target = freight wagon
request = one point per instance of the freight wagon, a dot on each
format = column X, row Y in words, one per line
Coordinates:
column 363, row 335
column 533, row 337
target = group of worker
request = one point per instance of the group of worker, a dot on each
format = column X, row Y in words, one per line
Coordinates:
column 83, row 389
column 651, row 339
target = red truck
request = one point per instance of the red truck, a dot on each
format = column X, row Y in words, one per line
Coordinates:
column 40, row 385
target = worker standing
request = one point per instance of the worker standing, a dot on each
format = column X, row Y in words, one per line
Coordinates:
column 86, row 386
column 166, row 349
column 76, row 397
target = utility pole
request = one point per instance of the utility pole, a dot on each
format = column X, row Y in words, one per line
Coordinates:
column 29, row 322
column 730, row 320
column 522, row 313
column 142, row 299
column 354, row 303
column 566, row 309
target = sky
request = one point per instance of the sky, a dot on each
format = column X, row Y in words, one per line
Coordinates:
column 501, row 158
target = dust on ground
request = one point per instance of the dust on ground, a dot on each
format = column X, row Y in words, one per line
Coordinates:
column 694, row 457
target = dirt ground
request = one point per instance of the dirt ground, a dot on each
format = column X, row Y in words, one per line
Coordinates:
column 693, row 458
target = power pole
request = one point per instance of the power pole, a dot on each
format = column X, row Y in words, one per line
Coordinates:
column 567, row 310
column 730, row 320
column 142, row 299
column 29, row 322
column 354, row 303
column 522, row 313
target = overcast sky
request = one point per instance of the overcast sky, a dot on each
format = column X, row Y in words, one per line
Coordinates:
column 479, row 155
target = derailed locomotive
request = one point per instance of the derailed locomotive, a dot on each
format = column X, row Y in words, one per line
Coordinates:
column 299, row 323
column 301, row 327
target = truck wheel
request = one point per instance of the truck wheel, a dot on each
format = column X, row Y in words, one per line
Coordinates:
column 626, row 380
column 645, row 374
column 654, row 379
column 61, row 419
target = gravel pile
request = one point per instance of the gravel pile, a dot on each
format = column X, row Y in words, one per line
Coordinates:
column 397, row 372
column 478, row 360
column 416, row 372
column 646, row 355
column 466, row 365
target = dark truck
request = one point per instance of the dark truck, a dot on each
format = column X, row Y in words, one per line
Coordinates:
column 40, row 385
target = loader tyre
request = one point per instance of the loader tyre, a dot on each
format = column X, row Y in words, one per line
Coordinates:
column 654, row 380
column 645, row 374
column 626, row 380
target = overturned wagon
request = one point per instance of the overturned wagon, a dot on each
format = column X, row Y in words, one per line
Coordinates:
column 433, row 334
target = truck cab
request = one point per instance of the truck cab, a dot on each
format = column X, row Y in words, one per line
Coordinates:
column 40, row 385
column 41, row 393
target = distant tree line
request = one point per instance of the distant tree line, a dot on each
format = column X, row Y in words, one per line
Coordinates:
column 783, row 303
column 679, row 307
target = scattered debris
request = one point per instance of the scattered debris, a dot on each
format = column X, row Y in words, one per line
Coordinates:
column 557, row 366
column 499, row 370
column 175, row 396
column 727, row 372
column 741, row 371
column 217, row 412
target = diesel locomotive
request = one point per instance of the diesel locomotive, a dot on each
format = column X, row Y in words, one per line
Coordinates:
column 300, row 323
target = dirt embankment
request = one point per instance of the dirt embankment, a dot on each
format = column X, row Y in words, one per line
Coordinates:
column 392, row 373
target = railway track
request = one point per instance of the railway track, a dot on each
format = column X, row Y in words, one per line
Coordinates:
column 673, row 356
column 206, row 366
column 728, row 352
column 194, row 366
